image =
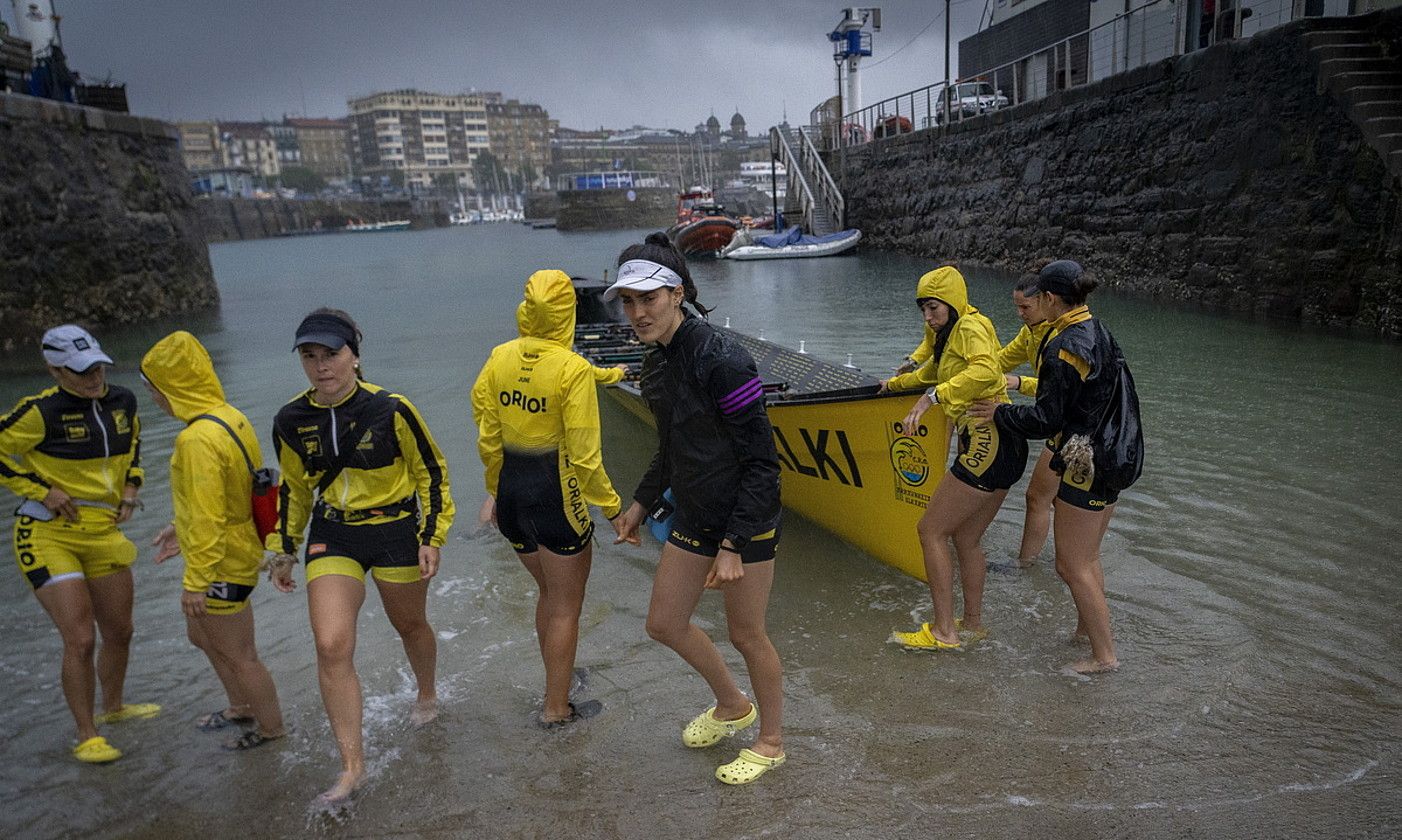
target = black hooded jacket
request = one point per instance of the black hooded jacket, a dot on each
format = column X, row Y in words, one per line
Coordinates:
column 1076, row 389
column 715, row 444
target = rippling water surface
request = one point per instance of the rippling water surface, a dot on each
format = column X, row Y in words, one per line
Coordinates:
column 1252, row 573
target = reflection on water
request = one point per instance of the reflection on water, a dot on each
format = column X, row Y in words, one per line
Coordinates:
column 1252, row 585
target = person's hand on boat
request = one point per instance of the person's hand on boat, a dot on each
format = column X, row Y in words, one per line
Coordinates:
column 912, row 420
column 906, row 366
column 625, row 525
column 881, row 386
column 725, row 570
column 167, row 544
column 429, row 558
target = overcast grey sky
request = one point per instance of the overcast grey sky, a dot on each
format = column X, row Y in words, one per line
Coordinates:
column 588, row 63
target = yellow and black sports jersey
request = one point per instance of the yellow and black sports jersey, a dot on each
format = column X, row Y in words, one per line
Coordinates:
column 88, row 448
column 537, row 408
column 1023, row 350
column 386, row 457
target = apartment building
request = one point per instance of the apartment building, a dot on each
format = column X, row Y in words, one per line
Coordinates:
column 250, row 145
column 323, row 146
column 199, row 145
column 519, row 136
column 421, row 135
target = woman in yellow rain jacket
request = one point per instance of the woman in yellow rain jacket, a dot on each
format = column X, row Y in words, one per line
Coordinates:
column 537, row 416
column 358, row 462
column 71, row 453
column 211, row 484
column 961, row 367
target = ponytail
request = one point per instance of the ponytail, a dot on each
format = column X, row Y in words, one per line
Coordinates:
column 659, row 249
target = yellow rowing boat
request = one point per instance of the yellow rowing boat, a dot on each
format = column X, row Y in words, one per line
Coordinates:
column 846, row 465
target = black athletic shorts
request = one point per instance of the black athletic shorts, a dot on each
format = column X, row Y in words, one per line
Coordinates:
column 389, row 549
column 539, row 505
column 987, row 460
column 706, row 541
column 1090, row 494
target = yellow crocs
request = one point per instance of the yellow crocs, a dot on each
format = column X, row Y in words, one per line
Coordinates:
column 704, row 730
column 748, row 767
column 922, row 639
column 129, row 711
column 96, row 750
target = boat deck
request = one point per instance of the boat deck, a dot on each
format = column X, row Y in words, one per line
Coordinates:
column 788, row 376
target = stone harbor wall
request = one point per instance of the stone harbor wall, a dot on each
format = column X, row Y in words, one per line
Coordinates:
column 234, row 219
column 97, row 224
column 1225, row 177
column 648, row 207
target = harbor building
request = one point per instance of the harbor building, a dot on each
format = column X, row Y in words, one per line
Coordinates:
column 519, row 136
column 420, row 137
column 199, row 145
column 323, row 146
column 250, row 145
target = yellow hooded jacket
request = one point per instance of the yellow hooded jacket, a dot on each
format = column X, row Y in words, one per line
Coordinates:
column 536, row 396
column 1023, row 350
column 967, row 370
column 210, row 485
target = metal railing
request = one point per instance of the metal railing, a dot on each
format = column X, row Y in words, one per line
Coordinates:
column 798, row 183
column 829, row 196
column 1152, row 32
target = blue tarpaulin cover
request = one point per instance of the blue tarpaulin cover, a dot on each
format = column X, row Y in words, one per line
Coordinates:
column 793, row 236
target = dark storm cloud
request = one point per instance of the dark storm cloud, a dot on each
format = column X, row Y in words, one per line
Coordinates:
column 589, row 64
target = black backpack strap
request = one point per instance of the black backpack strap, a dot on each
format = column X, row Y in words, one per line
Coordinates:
column 230, row 429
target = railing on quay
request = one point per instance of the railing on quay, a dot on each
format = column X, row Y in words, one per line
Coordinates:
column 798, row 182
column 829, row 196
column 1140, row 36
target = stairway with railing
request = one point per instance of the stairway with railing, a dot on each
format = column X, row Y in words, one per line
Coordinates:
column 1364, row 73
column 813, row 197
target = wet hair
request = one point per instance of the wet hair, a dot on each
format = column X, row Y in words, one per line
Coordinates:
column 659, row 249
column 354, row 345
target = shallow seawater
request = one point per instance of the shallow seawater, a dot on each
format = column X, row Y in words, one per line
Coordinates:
column 1252, row 576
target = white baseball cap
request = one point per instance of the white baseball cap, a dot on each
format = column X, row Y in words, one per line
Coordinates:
column 70, row 346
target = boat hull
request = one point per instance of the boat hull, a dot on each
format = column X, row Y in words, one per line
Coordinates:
column 705, row 236
column 789, row 252
column 848, row 469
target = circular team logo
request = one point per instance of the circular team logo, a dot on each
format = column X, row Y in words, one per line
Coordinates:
column 908, row 459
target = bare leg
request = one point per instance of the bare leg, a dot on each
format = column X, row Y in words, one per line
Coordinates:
column 406, row 604
column 333, row 603
column 676, row 589
column 973, row 569
column 67, row 602
column 1080, row 635
column 953, row 504
column 746, row 601
column 228, row 678
column 562, row 583
column 111, row 604
column 1078, row 535
column 532, row 563
column 1041, row 491
column 232, row 643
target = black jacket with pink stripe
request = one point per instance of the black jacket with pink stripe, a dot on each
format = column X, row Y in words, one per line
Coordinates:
column 715, row 445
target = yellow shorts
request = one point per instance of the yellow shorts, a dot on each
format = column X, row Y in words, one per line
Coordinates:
column 63, row 550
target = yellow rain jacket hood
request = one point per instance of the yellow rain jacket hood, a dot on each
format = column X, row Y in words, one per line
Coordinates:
column 210, row 485
column 967, row 369
column 548, row 311
column 536, row 396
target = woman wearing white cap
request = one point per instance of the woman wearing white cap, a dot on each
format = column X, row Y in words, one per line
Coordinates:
column 71, row 453
column 716, row 454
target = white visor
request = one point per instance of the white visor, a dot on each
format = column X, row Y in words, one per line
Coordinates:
column 642, row 276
